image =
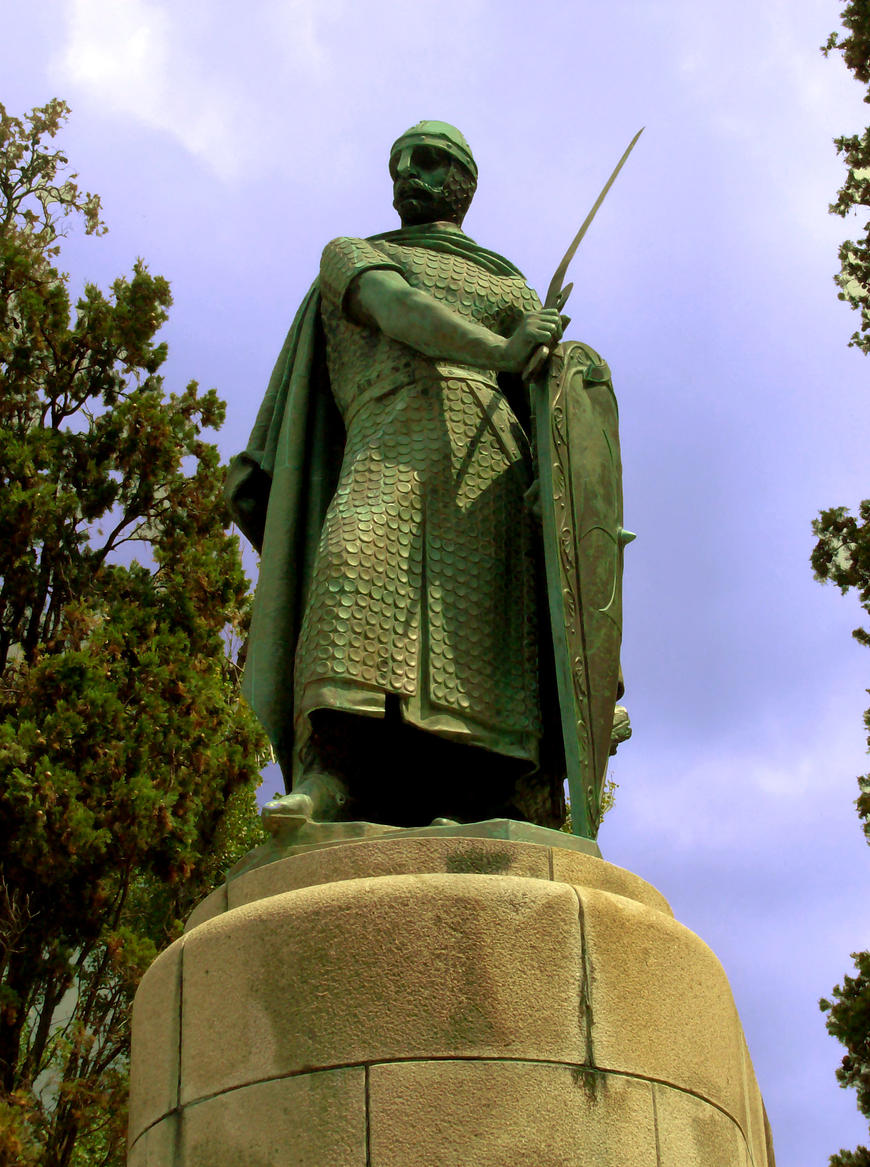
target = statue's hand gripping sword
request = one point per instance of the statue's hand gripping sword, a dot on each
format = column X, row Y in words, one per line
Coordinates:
column 557, row 294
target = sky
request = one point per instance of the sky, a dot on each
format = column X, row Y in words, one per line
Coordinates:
column 230, row 142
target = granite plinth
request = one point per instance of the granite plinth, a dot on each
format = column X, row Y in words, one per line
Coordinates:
column 440, row 999
column 313, row 836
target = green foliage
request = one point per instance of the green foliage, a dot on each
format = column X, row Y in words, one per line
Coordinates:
column 127, row 762
column 854, row 276
column 846, row 1016
column 842, row 553
column 842, row 556
column 608, row 796
column 860, row 1157
column 848, row 1013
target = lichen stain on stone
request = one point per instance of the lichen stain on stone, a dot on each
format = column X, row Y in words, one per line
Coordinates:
column 479, row 861
column 592, row 1081
column 469, row 1024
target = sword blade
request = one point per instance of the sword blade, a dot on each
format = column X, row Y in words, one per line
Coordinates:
column 555, row 287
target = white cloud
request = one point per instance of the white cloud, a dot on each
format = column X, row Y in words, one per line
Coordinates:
column 116, row 44
column 788, row 779
column 227, row 84
column 296, row 27
column 760, row 85
column 131, row 56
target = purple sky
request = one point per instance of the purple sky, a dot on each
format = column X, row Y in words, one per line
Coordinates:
column 230, row 142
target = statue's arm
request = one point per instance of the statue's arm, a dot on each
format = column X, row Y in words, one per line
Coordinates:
column 384, row 299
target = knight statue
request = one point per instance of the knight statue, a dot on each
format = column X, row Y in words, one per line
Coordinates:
column 402, row 655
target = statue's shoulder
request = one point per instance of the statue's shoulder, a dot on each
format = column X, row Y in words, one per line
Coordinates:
column 344, row 259
column 347, row 248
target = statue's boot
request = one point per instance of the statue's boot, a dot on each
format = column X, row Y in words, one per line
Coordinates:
column 319, row 797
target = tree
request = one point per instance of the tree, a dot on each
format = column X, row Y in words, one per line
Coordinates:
column 842, row 553
column 848, row 1016
column 127, row 762
column 854, row 276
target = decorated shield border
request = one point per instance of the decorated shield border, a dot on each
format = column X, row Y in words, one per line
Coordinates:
column 580, row 474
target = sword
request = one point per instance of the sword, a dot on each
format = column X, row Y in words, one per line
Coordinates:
column 579, row 761
column 556, row 293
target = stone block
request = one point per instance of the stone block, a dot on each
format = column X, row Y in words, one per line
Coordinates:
column 156, row 1041
column 365, row 970
column 660, row 1002
column 158, row 1146
column 756, row 1124
column 692, row 1133
column 213, row 905
column 586, row 871
column 313, row 1120
column 403, row 856
column 507, row 1114
column 768, row 1140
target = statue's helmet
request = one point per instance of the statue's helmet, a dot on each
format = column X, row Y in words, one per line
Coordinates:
column 442, row 135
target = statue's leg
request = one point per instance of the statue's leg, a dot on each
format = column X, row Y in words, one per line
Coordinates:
column 384, row 770
column 459, row 782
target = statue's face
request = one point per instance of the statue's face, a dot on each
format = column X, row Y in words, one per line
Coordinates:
column 424, row 189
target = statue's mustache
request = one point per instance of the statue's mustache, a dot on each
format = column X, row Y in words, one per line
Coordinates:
column 412, row 186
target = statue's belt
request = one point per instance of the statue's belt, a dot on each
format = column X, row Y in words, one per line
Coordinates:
column 422, row 379
column 495, row 414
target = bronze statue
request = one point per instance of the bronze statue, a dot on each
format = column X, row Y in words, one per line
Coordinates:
column 400, row 654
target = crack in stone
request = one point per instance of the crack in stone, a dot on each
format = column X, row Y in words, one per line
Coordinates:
column 587, row 1019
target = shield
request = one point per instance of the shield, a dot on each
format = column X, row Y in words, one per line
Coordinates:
column 580, row 474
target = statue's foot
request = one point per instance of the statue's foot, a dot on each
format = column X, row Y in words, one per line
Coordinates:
column 288, row 812
column 317, row 798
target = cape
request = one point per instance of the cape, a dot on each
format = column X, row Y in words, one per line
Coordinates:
column 279, row 488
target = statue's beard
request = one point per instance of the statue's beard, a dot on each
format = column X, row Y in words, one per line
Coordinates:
column 417, row 202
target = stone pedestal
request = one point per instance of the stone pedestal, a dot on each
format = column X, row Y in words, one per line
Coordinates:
column 440, row 1002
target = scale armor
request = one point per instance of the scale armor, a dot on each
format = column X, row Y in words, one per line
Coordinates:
column 425, row 584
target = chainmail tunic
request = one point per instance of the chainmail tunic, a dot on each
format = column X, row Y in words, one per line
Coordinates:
column 425, row 580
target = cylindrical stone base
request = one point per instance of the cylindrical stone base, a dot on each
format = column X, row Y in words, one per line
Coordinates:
column 440, row 1002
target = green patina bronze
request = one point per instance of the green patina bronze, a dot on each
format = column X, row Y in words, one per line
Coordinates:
column 440, row 135
column 580, row 471
column 401, row 656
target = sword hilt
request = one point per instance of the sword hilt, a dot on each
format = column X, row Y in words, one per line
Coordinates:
column 542, row 353
column 536, row 362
